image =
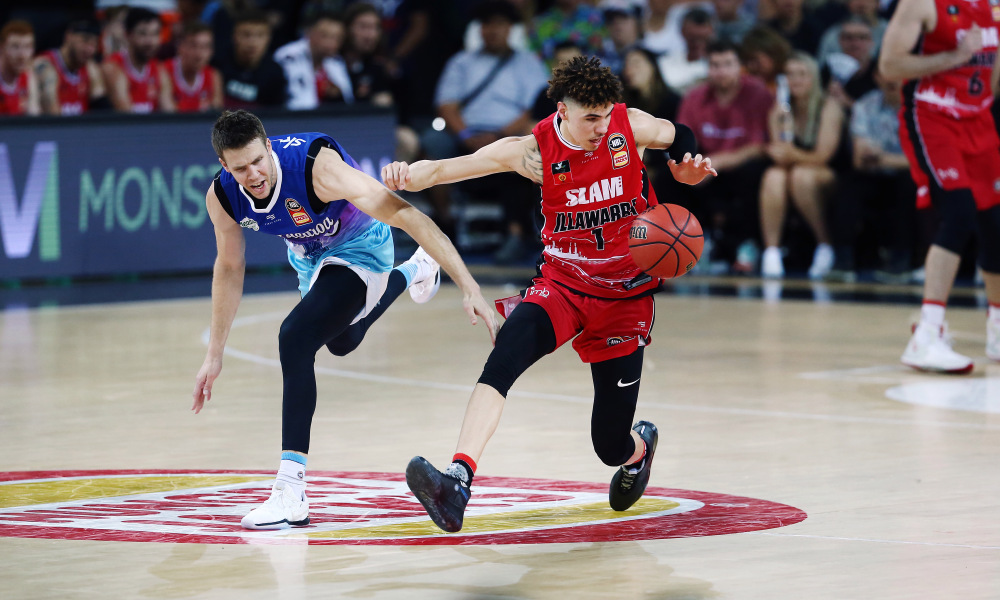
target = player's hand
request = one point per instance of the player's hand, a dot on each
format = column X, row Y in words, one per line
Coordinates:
column 970, row 44
column 396, row 175
column 203, row 382
column 691, row 170
column 477, row 308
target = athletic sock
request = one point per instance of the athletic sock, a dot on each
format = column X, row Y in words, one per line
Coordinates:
column 993, row 312
column 412, row 271
column 639, row 464
column 932, row 313
column 292, row 472
column 462, row 468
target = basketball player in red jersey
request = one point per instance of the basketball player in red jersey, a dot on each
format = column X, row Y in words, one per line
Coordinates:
column 946, row 50
column 69, row 81
column 588, row 159
column 187, row 83
column 131, row 73
column 18, row 86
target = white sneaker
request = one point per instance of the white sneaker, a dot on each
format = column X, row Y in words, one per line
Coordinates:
column 281, row 511
column 930, row 350
column 993, row 339
column 822, row 261
column 428, row 279
column 771, row 264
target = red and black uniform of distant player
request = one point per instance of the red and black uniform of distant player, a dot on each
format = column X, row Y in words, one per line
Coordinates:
column 73, row 92
column 190, row 98
column 946, row 129
column 143, row 86
column 14, row 96
column 589, row 285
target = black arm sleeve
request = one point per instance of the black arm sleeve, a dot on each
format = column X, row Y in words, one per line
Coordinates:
column 684, row 142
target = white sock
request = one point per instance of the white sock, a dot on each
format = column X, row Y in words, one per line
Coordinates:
column 993, row 313
column 293, row 474
column 932, row 314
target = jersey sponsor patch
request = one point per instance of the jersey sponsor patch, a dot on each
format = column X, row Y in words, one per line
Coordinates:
column 249, row 223
column 619, row 150
column 561, row 172
column 299, row 215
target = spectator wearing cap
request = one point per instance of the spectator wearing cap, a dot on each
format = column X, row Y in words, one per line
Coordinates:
column 568, row 21
column 483, row 96
column 69, row 80
column 623, row 35
column 315, row 70
column 732, row 22
column 18, row 86
column 252, row 78
column 131, row 73
column 682, row 70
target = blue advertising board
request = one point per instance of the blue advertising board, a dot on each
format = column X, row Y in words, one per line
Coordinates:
column 82, row 197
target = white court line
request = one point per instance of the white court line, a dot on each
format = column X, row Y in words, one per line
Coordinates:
column 437, row 385
column 876, row 541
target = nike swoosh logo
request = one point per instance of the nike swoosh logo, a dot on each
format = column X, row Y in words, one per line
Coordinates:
column 620, row 384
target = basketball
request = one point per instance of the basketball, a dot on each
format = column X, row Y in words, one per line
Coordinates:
column 666, row 241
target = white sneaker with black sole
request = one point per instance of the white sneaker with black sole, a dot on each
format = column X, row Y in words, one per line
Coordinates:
column 283, row 509
column 428, row 278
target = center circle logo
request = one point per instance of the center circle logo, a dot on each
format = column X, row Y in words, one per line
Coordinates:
column 205, row 507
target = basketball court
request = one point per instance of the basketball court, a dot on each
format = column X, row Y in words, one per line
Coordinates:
column 797, row 457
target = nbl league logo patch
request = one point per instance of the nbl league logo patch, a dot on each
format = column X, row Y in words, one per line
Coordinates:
column 561, row 172
column 299, row 215
column 619, row 150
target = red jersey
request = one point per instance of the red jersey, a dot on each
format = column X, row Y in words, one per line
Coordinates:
column 73, row 93
column 589, row 200
column 190, row 98
column 14, row 97
column 143, row 87
column 962, row 91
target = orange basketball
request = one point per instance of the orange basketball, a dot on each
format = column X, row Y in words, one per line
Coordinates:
column 666, row 241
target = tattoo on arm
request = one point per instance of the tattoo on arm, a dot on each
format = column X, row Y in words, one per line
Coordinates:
column 532, row 162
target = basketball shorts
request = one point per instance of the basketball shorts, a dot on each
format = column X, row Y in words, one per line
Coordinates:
column 951, row 154
column 601, row 329
column 369, row 255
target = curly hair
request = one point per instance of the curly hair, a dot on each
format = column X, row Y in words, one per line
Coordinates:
column 583, row 80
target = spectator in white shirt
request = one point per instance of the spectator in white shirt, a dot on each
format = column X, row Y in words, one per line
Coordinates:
column 315, row 70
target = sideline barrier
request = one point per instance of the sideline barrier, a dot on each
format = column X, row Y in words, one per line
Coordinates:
column 122, row 194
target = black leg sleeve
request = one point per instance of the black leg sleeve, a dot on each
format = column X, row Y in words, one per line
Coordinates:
column 346, row 342
column 323, row 313
column 616, row 391
column 524, row 338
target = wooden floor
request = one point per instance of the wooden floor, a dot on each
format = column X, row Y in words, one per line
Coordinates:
column 801, row 403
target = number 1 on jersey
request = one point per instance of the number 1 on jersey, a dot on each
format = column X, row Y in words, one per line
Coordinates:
column 599, row 236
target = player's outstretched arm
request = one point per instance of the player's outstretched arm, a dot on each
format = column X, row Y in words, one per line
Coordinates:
column 911, row 19
column 227, row 289
column 660, row 134
column 333, row 179
column 518, row 154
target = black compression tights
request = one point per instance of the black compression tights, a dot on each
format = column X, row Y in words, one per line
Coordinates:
column 322, row 317
column 527, row 336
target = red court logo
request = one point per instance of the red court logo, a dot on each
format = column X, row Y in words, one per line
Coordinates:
column 357, row 508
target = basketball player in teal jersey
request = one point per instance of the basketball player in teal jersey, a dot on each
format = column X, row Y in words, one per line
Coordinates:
column 306, row 189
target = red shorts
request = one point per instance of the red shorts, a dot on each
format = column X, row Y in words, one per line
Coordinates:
column 952, row 154
column 604, row 328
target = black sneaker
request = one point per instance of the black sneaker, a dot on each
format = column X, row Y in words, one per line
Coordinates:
column 443, row 497
column 628, row 485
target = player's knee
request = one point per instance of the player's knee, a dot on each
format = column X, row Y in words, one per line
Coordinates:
column 291, row 339
column 957, row 209
column 524, row 338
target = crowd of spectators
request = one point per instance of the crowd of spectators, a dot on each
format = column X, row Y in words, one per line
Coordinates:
column 784, row 96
